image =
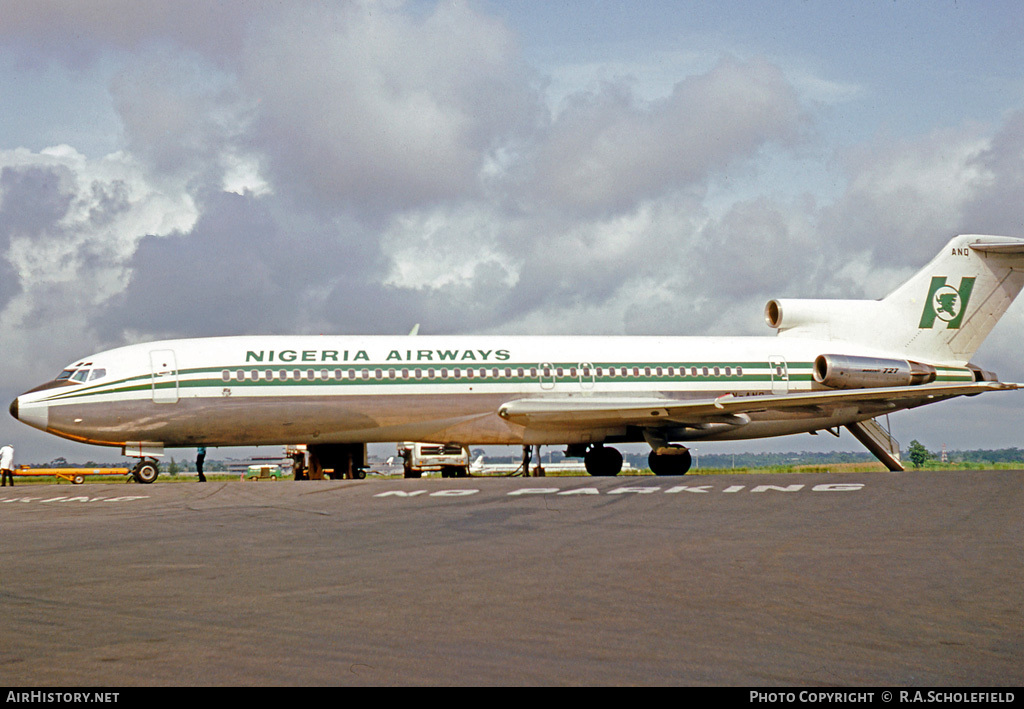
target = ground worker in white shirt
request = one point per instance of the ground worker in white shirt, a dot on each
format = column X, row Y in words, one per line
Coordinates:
column 6, row 465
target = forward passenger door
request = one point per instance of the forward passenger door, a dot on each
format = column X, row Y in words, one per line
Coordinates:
column 164, row 367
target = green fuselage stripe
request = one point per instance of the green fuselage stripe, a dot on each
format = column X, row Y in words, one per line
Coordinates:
column 740, row 373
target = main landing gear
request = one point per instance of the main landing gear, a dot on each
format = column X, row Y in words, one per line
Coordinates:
column 664, row 459
column 602, row 461
column 670, row 460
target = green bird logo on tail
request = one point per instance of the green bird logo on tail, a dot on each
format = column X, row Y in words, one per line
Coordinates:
column 946, row 303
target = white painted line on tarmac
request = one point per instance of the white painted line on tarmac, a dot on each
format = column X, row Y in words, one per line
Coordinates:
column 75, row 498
column 633, row 490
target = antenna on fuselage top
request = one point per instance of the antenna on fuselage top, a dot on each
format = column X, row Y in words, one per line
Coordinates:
column 415, row 330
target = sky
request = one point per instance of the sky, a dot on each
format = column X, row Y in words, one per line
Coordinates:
column 197, row 168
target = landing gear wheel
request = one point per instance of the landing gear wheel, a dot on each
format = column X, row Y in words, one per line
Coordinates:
column 674, row 463
column 145, row 472
column 603, row 462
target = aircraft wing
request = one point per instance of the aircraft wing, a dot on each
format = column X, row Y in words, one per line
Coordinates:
column 584, row 412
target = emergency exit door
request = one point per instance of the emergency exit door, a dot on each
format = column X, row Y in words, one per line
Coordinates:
column 780, row 374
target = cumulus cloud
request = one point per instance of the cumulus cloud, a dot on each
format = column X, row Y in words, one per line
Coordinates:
column 76, row 32
column 607, row 150
column 381, row 110
column 903, row 195
column 184, row 119
column 996, row 207
column 68, row 219
column 318, row 156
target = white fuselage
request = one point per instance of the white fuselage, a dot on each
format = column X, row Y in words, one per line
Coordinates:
column 333, row 389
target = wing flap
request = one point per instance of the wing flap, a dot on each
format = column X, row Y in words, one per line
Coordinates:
column 582, row 412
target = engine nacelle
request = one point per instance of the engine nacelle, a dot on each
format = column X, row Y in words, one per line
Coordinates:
column 848, row 372
column 789, row 313
column 847, row 320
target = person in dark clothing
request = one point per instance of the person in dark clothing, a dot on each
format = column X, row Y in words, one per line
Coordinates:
column 200, row 457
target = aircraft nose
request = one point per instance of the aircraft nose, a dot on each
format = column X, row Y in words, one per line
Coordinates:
column 33, row 413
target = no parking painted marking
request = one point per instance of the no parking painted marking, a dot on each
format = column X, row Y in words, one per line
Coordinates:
column 635, row 490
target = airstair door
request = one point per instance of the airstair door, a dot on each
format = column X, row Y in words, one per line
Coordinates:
column 165, row 376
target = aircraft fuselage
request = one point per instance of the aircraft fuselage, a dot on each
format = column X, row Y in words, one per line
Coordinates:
column 325, row 389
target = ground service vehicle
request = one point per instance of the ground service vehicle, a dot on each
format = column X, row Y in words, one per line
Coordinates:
column 452, row 460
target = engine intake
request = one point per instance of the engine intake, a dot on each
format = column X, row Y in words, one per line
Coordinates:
column 848, row 372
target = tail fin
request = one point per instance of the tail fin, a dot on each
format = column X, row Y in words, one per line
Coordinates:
column 941, row 315
column 951, row 305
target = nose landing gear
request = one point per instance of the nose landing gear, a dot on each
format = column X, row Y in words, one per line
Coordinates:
column 145, row 471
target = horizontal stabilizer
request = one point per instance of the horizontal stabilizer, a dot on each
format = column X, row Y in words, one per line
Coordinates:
column 1015, row 247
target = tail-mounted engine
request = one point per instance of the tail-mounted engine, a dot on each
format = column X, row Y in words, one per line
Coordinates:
column 848, row 372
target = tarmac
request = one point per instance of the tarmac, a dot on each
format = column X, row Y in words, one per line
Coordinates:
column 908, row 579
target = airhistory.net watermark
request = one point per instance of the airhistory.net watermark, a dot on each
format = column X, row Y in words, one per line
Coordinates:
column 40, row 697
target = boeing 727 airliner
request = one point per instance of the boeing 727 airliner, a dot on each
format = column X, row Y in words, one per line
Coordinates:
column 832, row 364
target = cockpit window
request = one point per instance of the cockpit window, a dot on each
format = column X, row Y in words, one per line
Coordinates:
column 80, row 373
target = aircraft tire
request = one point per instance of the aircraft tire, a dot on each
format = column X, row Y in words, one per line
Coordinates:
column 603, row 462
column 671, row 463
column 145, row 472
